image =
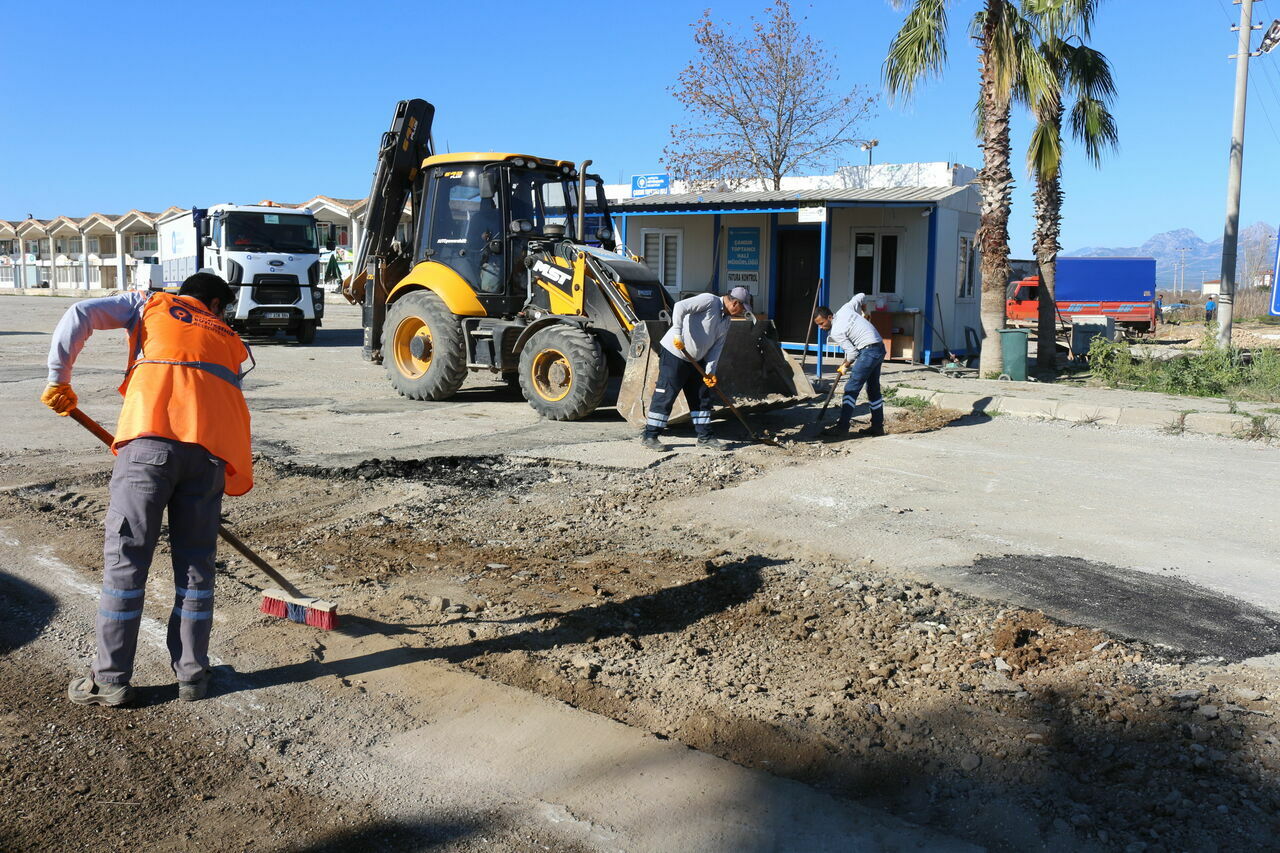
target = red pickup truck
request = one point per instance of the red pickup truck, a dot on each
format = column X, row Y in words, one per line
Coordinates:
column 1123, row 288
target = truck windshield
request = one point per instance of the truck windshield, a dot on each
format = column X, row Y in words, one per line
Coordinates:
column 270, row 232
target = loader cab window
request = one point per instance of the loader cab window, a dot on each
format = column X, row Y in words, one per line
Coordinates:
column 463, row 226
column 540, row 197
column 547, row 197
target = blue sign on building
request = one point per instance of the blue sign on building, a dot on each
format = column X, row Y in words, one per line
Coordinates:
column 743, row 257
column 643, row 185
column 1275, row 281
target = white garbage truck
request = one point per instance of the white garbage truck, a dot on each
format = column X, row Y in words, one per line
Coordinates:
column 268, row 254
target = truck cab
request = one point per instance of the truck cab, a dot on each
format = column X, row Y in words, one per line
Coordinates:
column 271, row 259
column 268, row 254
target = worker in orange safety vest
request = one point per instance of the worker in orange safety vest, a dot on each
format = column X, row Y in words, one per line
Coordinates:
column 182, row 441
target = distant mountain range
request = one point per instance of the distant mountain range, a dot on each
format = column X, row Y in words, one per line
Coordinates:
column 1203, row 260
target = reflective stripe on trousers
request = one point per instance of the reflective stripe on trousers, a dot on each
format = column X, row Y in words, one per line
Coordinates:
column 677, row 375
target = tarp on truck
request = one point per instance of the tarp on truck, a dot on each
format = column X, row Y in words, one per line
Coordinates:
column 1106, row 279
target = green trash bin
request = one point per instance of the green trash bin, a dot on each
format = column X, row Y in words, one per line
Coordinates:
column 1013, row 348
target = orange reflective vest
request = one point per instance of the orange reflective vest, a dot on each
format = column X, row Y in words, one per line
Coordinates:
column 183, row 383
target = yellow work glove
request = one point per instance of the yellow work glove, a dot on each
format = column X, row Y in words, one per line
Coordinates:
column 709, row 380
column 59, row 397
column 678, row 344
column 842, row 369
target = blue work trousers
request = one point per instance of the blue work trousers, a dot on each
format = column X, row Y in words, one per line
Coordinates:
column 865, row 370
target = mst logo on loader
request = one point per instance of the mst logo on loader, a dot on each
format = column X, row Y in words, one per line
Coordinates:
column 553, row 273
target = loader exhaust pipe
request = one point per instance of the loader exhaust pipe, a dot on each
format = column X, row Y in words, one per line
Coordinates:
column 582, row 201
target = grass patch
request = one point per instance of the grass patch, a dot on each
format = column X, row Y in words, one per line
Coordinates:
column 910, row 402
column 1259, row 429
column 1211, row 371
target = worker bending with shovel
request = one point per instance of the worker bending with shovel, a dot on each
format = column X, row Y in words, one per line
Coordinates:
column 851, row 330
column 182, row 441
column 687, row 362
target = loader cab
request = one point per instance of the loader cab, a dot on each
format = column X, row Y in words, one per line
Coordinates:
column 482, row 219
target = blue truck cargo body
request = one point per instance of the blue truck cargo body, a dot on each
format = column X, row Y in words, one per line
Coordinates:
column 1106, row 279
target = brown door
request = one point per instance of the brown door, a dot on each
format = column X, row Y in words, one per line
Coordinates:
column 797, row 282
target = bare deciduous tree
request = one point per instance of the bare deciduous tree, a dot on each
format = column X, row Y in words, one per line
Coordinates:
column 760, row 105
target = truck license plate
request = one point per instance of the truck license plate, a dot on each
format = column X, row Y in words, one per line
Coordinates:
column 276, row 315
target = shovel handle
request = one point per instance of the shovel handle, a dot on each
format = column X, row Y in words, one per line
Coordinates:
column 231, row 539
column 92, row 426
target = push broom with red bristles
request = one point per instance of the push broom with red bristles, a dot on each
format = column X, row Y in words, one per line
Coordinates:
column 288, row 602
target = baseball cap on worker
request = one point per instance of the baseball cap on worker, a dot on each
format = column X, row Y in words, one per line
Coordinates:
column 743, row 295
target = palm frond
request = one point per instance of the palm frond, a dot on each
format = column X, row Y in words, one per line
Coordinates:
column 919, row 49
column 1038, row 79
column 1044, row 154
column 1088, row 73
column 1062, row 18
column 1094, row 125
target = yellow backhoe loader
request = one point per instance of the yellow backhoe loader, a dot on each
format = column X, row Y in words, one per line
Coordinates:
column 511, row 266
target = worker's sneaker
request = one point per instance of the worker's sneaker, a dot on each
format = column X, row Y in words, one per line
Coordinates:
column 193, row 691
column 651, row 442
column 86, row 691
column 710, row 442
column 870, row 432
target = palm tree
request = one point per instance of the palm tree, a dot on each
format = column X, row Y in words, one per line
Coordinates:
column 1007, row 57
column 1084, row 76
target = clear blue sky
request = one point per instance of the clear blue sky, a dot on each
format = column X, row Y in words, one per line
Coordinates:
column 143, row 105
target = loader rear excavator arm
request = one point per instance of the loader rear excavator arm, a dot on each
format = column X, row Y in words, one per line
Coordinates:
column 401, row 152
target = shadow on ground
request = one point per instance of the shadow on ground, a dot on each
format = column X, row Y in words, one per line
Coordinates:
column 24, row 612
column 390, row 835
column 667, row 610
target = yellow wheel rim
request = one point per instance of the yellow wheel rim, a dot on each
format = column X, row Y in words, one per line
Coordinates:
column 552, row 375
column 411, row 347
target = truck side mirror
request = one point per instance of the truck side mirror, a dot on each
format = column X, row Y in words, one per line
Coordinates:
column 488, row 184
column 207, row 240
column 328, row 245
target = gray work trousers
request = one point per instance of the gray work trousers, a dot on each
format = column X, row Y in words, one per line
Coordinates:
column 151, row 474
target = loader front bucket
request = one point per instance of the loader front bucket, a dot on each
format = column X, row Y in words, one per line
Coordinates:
column 753, row 372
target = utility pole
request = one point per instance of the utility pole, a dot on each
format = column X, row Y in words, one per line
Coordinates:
column 1231, row 233
column 1180, row 281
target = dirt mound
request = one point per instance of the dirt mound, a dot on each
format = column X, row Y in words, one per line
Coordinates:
column 1027, row 640
column 924, row 419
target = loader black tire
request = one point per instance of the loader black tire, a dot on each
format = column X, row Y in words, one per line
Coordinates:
column 563, row 373
column 423, row 348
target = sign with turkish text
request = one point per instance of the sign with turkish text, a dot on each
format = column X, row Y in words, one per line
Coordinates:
column 813, row 213
column 743, row 257
column 643, row 185
column 1275, row 280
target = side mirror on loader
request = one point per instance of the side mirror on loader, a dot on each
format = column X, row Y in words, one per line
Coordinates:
column 488, row 184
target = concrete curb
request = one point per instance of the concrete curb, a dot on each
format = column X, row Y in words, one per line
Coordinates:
column 1206, row 423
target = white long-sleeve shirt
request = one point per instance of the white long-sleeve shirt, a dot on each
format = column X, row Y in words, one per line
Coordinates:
column 851, row 331
column 702, row 323
column 120, row 311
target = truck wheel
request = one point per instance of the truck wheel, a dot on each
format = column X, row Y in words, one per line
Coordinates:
column 563, row 373
column 306, row 332
column 423, row 348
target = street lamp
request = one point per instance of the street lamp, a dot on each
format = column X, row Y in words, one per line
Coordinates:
column 867, row 146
